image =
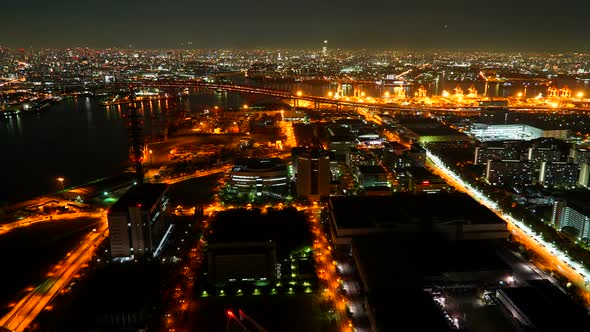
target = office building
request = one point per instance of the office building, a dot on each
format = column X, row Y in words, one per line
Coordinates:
column 313, row 174
column 138, row 222
column 259, row 176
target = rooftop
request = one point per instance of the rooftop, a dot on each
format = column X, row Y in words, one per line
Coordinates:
column 145, row 195
column 407, row 208
column 547, row 307
column 258, row 164
column 421, row 257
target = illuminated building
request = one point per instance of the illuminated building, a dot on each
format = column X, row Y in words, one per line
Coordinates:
column 559, row 174
column 426, row 130
column 513, row 172
column 501, row 132
column 573, row 212
column 313, row 174
column 485, row 132
column 538, row 154
column 508, row 150
column 259, row 175
column 420, row 180
column 584, row 178
column 138, row 222
column 579, row 155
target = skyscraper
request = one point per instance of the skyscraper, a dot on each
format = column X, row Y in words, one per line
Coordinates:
column 313, row 174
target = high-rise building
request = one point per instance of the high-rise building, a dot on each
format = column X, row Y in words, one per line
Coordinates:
column 507, row 150
column 584, row 173
column 573, row 212
column 313, row 174
column 138, row 222
column 559, row 174
column 325, row 48
column 513, row 172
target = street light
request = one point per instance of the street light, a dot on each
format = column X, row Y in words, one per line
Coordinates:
column 299, row 93
column 61, row 182
column 580, row 95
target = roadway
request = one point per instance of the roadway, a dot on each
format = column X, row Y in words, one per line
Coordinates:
column 5, row 228
column 552, row 257
column 199, row 174
column 27, row 309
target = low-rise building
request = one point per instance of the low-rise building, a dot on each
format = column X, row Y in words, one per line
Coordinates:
column 259, row 176
column 352, row 217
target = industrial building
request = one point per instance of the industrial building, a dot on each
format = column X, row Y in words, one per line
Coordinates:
column 138, row 222
column 351, row 217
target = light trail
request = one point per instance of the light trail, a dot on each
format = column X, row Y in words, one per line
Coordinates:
column 575, row 271
column 27, row 309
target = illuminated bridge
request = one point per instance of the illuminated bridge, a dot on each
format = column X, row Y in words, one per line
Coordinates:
column 317, row 101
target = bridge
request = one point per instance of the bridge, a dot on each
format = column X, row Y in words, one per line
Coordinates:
column 339, row 103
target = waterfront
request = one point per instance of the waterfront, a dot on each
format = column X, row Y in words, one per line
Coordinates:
column 80, row 141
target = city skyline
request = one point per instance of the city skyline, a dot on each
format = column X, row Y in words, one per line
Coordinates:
column 502, row 25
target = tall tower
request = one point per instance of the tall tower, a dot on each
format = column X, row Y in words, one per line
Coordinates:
column 325, row 48
column 136, row 140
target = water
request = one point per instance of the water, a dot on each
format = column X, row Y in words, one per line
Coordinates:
column 80, row 141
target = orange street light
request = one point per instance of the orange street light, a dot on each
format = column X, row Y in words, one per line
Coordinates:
column 299, row 93
column 580, row 94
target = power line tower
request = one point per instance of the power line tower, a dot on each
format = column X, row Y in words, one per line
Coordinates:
column 135, row 135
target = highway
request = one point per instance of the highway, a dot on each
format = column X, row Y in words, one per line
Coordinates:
column 27, row 309
column 555, row 258
column 5, row 228
column 198, row 174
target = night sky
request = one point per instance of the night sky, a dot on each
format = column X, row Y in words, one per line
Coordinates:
column 415, row 24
